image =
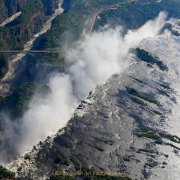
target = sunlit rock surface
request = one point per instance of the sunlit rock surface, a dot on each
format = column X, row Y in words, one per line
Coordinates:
column 10, row 19
column 109, row 113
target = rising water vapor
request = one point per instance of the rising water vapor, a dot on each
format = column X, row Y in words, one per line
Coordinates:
column 93, row 60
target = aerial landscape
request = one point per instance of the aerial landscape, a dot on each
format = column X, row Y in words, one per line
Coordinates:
column 90, row 90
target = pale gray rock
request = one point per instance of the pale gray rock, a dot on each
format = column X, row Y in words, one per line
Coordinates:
column 109, row 113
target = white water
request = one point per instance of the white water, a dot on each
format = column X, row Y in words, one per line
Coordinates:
column 92, row 62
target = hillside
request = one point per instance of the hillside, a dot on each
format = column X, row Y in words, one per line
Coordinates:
column 17, row 103
column 67, row 28
column 33, row 16
column 17, row 32
column 128, row 14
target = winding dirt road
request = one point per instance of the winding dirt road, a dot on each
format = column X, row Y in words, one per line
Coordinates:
column 92, row 20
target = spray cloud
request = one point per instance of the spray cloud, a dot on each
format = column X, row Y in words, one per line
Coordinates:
column 93, row 61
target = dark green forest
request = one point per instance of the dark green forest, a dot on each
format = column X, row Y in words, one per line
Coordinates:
column 19, row 31
column 17, row 103
column 5, row 174
column 145, row 56
column 71, row 23
column 67, row 28
column 15, row 34
column 3, row 64
column 134, row 15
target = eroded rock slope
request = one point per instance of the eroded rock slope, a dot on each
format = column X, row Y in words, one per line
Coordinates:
column 114, row 130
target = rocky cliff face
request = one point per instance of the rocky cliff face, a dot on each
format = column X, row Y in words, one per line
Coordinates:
column 114, row 130
column 50, row 6
column 22, row 36
column 10, row 7
column 34, row 14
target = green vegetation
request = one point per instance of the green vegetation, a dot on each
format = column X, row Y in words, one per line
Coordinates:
column 157, row 112
column 84, row 168
column 165, row 86
column 27, row 157
column 150, row 160
column 137, row 101
column 173, row 146
column 69, row 145
column 39, row 64
column 4, row 173
column 16, row 34
column 138, row 80
column 150, row 165
column 163, row 92
column 159, row 141
column 34, row 14
column 100, row 148
column 101, row 168
column 147, row 150
column 126, row 159
column 169, row 27
column 134, row 15
column 164, row 163
column 145, row 129
column 59, row 159
column 136, row 93
column 163, row 167
column 3, row 65
column 70, row 24
column 175, row 32
column 145, row 56
column 137, row 160
column 17, row 103
column 166, row 155
column 149, row 65
column 138, row 151
column 153, row 156
column 55, row 167
column 110, row 142
column 76, row 163
column 150, row 135
column 171, row 137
